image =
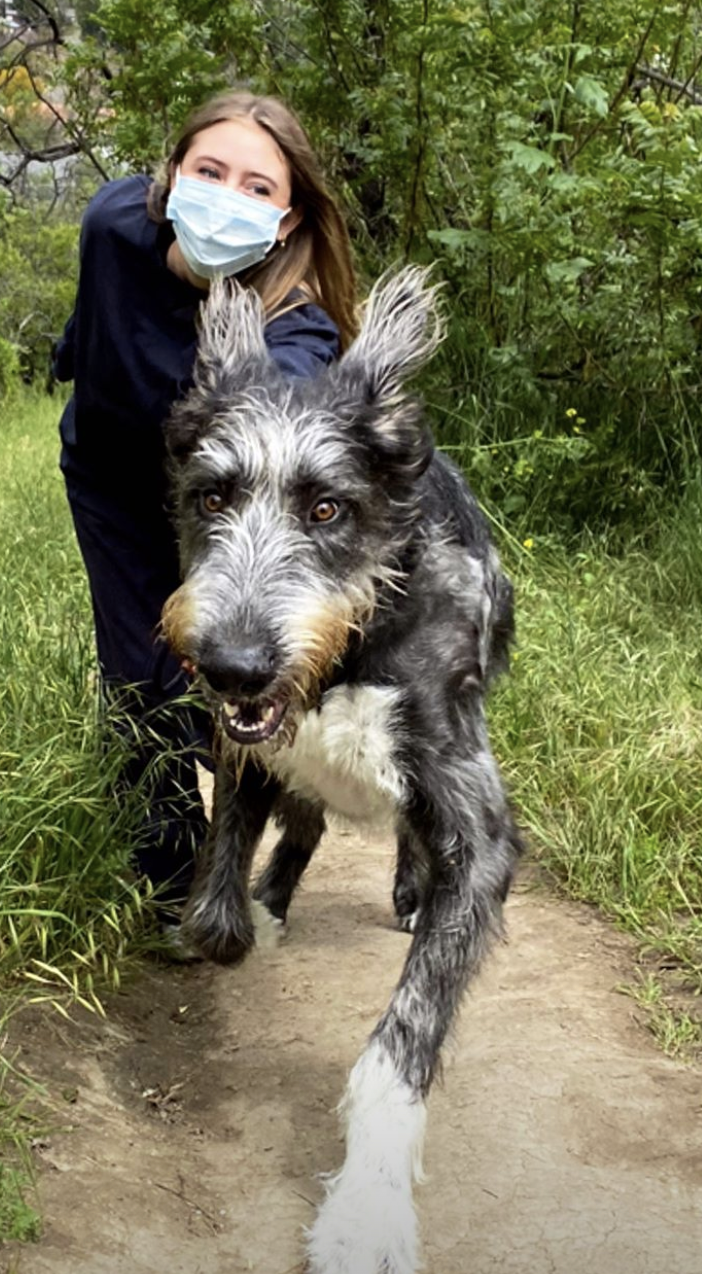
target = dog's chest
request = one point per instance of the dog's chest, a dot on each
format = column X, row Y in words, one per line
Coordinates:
column 343, row 753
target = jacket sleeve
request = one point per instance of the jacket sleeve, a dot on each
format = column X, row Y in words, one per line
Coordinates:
column 63, row 352
column 62, row 362
column 303, row 340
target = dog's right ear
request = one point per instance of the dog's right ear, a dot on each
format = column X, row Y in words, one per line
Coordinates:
column 402, row 327
column 231, row 357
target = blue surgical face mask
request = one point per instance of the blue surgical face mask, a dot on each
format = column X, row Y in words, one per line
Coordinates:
column 220, row 231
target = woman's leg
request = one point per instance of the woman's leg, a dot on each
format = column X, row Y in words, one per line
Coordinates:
column 132, row 567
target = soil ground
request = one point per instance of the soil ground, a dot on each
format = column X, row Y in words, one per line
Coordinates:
column 561, row 1141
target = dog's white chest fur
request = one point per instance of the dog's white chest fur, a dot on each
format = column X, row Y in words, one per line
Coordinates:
column 343, row 753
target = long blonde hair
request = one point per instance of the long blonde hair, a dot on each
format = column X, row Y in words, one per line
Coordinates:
column 316, row 260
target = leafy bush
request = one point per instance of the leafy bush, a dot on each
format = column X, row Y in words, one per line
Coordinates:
column 548, row 153
column 38, row 270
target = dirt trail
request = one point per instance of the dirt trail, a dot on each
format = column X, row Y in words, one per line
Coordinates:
column 561, row 1142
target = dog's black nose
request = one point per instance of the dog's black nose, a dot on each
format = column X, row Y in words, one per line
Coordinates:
column 242, row 670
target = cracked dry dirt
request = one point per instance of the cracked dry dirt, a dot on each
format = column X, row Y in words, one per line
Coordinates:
column 560, row 1142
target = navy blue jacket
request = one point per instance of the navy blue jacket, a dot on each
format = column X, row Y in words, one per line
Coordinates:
column 130, row 344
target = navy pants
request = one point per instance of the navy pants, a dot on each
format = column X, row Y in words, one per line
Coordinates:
column 128, row 547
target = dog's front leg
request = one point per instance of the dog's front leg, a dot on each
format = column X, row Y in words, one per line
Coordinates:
column 218, row 914
column 367, row 1224
column 303, row 827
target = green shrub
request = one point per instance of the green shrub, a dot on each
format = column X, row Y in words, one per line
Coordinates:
column 547, row 153
column 9, row 366
column 38, row 271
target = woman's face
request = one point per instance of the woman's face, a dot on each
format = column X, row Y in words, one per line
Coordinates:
column 242, row 156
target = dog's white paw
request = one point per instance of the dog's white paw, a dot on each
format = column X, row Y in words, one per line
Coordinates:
column 369, row 1229
column 269, row 929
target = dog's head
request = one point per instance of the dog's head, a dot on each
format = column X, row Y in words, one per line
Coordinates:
column 295, row 500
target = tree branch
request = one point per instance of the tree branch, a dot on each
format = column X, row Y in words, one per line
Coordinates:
column 623, row 89
column 684, row 88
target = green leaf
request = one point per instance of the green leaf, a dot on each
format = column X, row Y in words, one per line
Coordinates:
column 581, row 52
column 567, row 271
column 450, row 238
column 591, row 94
column 530, row 158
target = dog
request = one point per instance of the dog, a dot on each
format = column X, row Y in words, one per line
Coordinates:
column 345, row 611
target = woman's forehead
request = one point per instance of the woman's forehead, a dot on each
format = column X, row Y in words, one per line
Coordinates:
column 243, row 144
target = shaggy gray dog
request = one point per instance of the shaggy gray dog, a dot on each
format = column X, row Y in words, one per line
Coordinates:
column 345, row 610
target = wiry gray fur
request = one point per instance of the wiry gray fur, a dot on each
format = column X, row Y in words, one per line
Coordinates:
column 345, row 657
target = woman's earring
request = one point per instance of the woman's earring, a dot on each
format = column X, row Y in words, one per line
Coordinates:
column 282, row 242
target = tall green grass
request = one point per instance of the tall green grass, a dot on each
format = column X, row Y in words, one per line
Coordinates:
column 67, row 907
column 599, row 727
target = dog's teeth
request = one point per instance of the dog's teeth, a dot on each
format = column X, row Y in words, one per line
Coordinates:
column 233, row 713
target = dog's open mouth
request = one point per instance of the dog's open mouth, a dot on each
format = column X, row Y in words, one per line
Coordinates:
column 252, row 720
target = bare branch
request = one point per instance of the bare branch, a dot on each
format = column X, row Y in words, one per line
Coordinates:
column 684, row 88
column 56, row 37
column 47, row 35
column 15, row 34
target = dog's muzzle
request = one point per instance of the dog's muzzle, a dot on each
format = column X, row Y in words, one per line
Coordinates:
column 243, row 680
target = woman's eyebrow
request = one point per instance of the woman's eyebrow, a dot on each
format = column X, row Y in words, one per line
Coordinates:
column 210, row 159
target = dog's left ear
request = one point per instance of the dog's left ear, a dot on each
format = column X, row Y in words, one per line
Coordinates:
column 231, row 356
column 401, row 329
column 231, row 352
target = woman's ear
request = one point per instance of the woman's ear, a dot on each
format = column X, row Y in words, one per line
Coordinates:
column 289, row 223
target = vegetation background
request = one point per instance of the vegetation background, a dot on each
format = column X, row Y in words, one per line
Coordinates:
column 547, row 155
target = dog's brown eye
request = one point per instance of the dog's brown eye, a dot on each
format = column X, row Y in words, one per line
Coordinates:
column 212, row 502
column 324, row 511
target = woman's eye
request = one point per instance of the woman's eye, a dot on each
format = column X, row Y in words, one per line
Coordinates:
column 211, row 173
column 261, row 192
column 324, row 511
column 212, row 502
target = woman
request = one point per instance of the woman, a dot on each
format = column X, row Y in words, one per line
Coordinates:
column 241, row 195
